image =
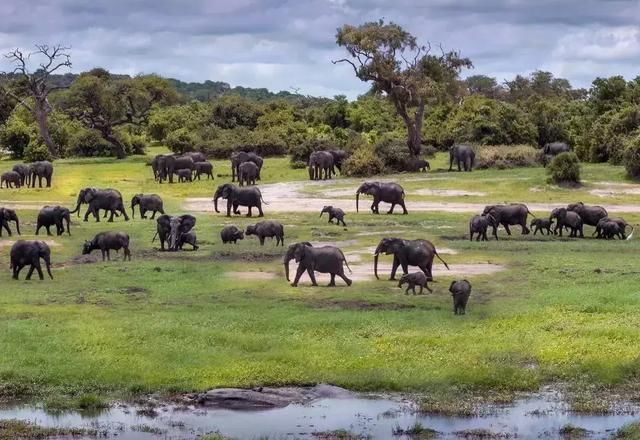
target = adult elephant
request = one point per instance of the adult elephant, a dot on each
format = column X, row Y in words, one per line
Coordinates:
column 54, row 216
column 505, row 215
column 555, row 148
column 240, row 157
column 10, row 179
column 170, row 164
column 320, row 162
column 567, row 219
column 590, row 215
column 8, row 215
column 24, row 171
column 26, row 252
column 42, row 170
column 339, row 156
column 196, row 156
column 407, row 253
column 324, row 259
column 170, row 229
column 147, row 202
column 382, row 192
column 247, row 173
column 157, row 165
column 235, row 196
column 97, row 199
column 462, row 155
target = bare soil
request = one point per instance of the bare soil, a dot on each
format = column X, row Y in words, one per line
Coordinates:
column 252, row 275
column 28, row 205
column 364, row 272
column 8, row 243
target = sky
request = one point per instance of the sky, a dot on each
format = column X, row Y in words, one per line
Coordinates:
column 289, row 44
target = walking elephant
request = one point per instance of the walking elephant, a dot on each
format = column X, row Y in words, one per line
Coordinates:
column 148, row 203
column 590, row 215
column 511, row 214
column 407, row 253
column 382, row 192
column 54, row 216
column 622, row 224
column 240, row 157
column 97, row 199
column 555, row 148
column 184, row 175
column 8, row 215
column 205, row 168
column 320, row 162
column 106, row 242
column 42, row 170
column 567, row 219
column 324, row 259
column 336, row 213
column 267, row 229
column 247, row 173
column 170, row 229
column 235, row 196
column 462, row 155
column 479, row 225
column 169, row 165
column 339, row 156
column 10, row 179
column 27, row 252
column 25, row 173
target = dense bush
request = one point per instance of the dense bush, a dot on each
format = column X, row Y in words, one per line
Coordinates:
column 363, row 163
column 133, row 143
column 632, row 157
column 394, row 153
column 564, row 169
column 36, row 151
column 89, row 143
column 15, row 137
column 506, row 156
column 181, row 140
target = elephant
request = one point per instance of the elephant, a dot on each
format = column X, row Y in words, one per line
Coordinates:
column 336, row 213
column 611, row 229
column 407, row 253
column 188, row 238
column 511, row 214
column 107, row 241
column 249, row 197
column 590, row 215
column 157, row 165
column 569, row 219
column 196, row 156
column 555, row 148
column 43, row 170
column 462, row 154
column 168, row 166
column 205, row 168
column 479, row 225
column 8, row 215
column 27, row 252
column 54, row 215
column 319, row 162
column 184, row 175
column 621, row 223
column 412, row 280
column 25, row 173
column 231, row 234
column 240, row 157
column 149, row 202
column 10, row 179
column 460, row 291
column 247, row 173
column 382, row 192
column 339, row 156
column 108, row 199
column 416, row 164
column 267, row 229
column 170, row 229
column 324, row 259
column 541, row 224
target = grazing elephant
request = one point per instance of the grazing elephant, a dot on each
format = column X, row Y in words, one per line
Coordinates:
column 108, row 199
column 412, row 280
column 54, row 215
column 569, row 219
column 240, row 157
column 462, row 155
column 339, row 156
column 107, row 241
column 235, row 196
column 336, row 213
column 541, row 224
column 184, row 175
column 170, row 164
column 267, row 229
column 511, row 214
column 231, row 234
column 590, row 215
column 324, row 259
column 407, row 253
column 42, row 170
column 460, row 291
column 479, row 225
column 555, row 148
column 27, row 252
column 170, row 229
column 8, row 215
column 25, row 173
column 621, row 223
column 148, row 203
column 320, row 162
column 188, row 238
column 247, row 173
column 382, row 192
column 10, row 179
column 416, row 164
column 205, row 168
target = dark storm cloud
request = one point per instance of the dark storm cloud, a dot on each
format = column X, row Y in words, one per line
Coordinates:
column 289, row 43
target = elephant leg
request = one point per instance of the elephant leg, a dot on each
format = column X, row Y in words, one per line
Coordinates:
column 31, row 269
column 48, row 228
column 108, row 255
column 299, row 273
column 127, row 253
column 581, row 230
column 249, row 213
column 406, row 291
column 39, row 269
column 344, row 277
column 229, row 208
column 153, row 215
column 506, row 228
column 143, row 213
column 390, row 211
column 525, row 229
column 261, row 238
column 426, row 269
column 404, row 208
column 260, row 213
column 495, row 232
column 394, row 268
column 332, row 283
column 124, row 213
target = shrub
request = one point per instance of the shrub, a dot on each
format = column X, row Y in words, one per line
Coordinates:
column 15, row 137
column 394, row 153
column 89, row 143
column 632, row 157
column 564, row 169
column 362, row 163
column 181, row 140
column 36, row 151
column 506, row 156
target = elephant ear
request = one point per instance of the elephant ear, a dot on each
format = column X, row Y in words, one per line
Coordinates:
column 451, row 286
column 187, row 223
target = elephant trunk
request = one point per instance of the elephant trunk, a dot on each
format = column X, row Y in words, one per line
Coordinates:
column 375, row 265
column 18, row 226
column 47, row 262
column 215, row 202
column 78, row 205
column 357, row 200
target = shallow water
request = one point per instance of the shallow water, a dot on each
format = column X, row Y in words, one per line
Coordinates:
column 540, row 416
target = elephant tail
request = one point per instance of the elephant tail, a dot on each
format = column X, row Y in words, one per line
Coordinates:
column 154, row 237
column 345, row 261
column 263, row 201
column 440, row 258
column 630, row 235
column 529, row 212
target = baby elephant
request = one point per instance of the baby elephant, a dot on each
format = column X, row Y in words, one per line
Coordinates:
column 184, row 175
column 231, row 234
column 479, row 224
column 412, row 280
column 460, row 290
column 106, row 241
column 541, row 224
column 336, row 213
column 188, row 238
column 11, row 179
column 267, row 229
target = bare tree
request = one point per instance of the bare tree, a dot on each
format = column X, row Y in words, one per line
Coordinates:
column 35, row 86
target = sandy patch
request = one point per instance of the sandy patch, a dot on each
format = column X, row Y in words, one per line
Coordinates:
column 364, row 272
column 8, row 243
column 448, row 193
column 615, row 192
column 251, row 275
column 28, row 205
column 340, row 244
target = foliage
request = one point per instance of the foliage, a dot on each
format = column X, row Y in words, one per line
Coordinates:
column 393, row 153
column 301, row 153
column 363, row 163
column 89, row 143
column 36, row 151
column 233, row 111
column 181, row 140
column 564, row 169
column 15, row 136
column 506, row 156
column 632, row 156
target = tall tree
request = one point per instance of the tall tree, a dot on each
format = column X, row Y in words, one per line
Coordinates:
column 408, row 74
column 32, row 89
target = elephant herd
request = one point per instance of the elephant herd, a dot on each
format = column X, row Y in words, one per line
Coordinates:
column 187, row 167
column 25, row 175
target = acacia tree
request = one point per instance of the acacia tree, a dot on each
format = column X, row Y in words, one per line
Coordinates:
column 408, row 74
column 32, row 88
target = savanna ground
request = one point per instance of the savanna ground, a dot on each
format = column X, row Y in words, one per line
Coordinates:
column 562, row 311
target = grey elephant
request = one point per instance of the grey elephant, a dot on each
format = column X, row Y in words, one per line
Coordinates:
column 54, row 216
column 8, row 215
column 169, row 165
column 463, row 155
column 148, row 203
column 42, row 170
column 555, row 148
column 197, row 156
column 108, row 199
column 460, row 291
column 320, row 165
column 25, row 173
column 170, row 229
column 231, row 234
column 184, row 175
column 590, row 215
column 412, row 280
column 157, row 165
column 27, row 252
column 567, row 219
column 407, row 253
column 235, row 196
column 610, row 230
column 203, row 168
column 188, row 238
column 541, row 225
column 267, row 229
column 106, row 242
column 382, row 192
column 622, row 224
column 506, row 215
column 247, row 173
column 339, row 156
column 336, row 213
column 240, row 157
column 324, row 259
column 416, row 164
column 10, row 179
column 479, row 225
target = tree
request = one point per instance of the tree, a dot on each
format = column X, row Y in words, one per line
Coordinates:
column 408, row 74
column 482, row 85
column 32, row 89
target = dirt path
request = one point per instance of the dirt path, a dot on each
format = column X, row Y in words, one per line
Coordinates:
column 10, row 242
column 364, row 271
column 28, row 204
